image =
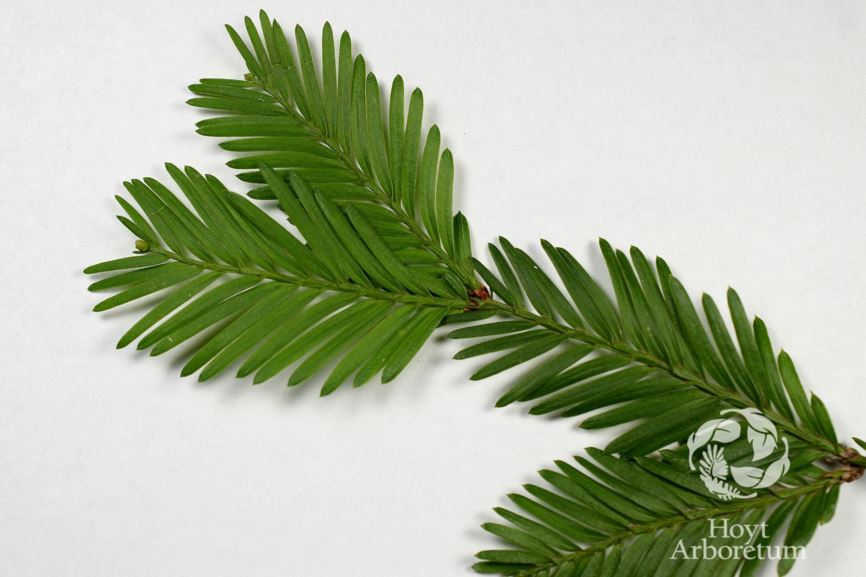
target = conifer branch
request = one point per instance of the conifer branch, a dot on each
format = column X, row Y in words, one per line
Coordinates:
column 372, row 260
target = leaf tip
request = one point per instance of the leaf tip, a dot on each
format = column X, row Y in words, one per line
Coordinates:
column 503, row 401
column 295, row 380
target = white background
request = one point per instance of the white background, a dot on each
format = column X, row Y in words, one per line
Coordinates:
column 729, row 137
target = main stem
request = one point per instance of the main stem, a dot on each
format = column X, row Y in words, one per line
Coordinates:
column 729, row 396
column 733, row 398
column 316, row 283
